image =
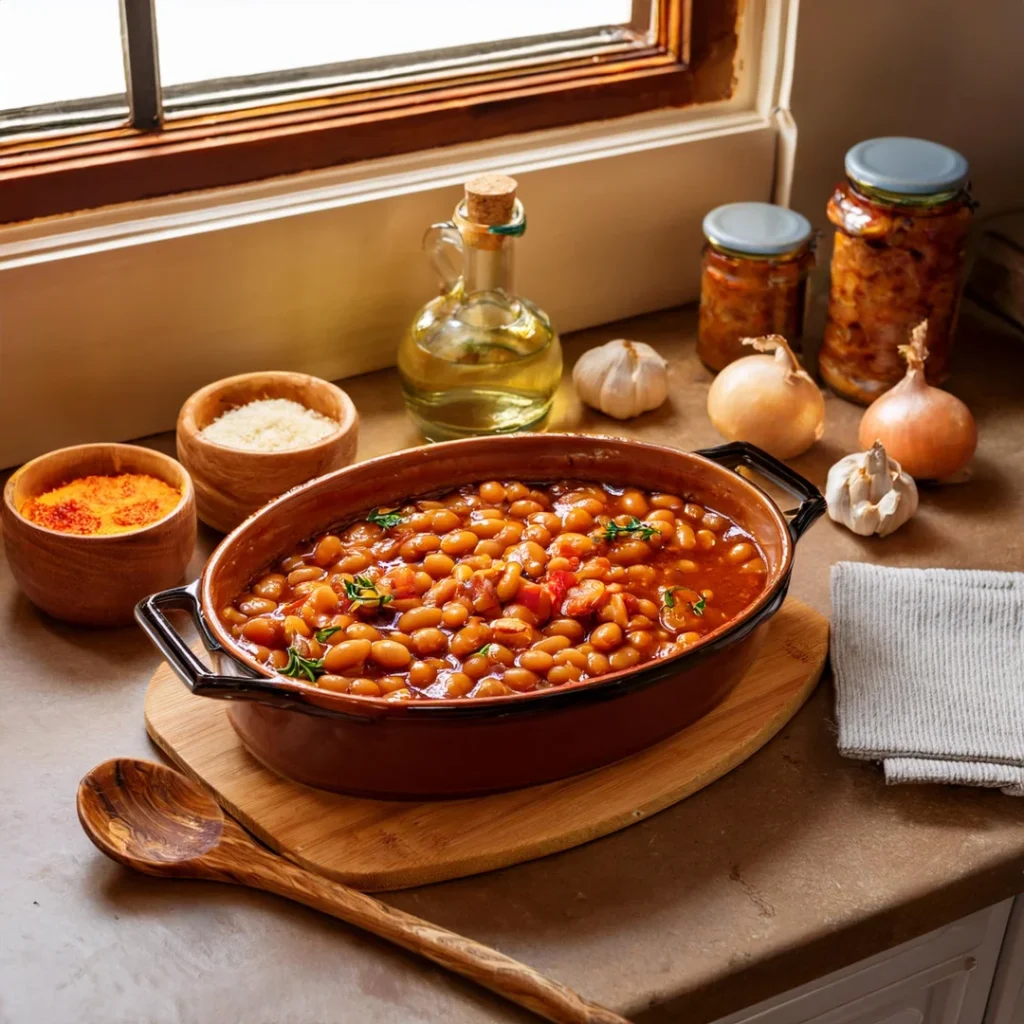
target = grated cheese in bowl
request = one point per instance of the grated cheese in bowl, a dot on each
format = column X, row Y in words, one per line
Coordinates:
column 269, row 425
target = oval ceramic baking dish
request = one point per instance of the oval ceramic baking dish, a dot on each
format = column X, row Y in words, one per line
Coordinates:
column 457, row 747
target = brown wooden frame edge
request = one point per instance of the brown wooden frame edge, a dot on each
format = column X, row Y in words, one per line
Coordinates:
column 693, row 63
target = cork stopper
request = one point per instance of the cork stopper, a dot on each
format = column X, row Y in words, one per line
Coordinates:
column 490, row 199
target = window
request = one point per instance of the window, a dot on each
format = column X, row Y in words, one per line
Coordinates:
column 238, row 52
column 65, row 70
column 219, row 92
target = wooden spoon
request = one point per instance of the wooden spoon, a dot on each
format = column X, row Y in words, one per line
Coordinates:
column 153, row 819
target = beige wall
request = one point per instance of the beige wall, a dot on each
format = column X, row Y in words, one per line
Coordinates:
column 947, row 70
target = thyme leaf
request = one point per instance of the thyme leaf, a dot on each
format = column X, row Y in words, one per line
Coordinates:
column 385, row 520
column 669, row 600
column 362, row 591
column 323, row 635
column 612, row 531
column 297, row 666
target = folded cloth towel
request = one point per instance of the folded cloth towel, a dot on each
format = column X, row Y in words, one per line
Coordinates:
column 956, row 773
column 929, row 670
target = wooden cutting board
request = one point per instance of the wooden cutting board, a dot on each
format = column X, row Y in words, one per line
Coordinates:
column 376, row 845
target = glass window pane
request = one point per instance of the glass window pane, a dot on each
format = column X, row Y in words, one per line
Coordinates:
column 60, row 64
column 203, row 40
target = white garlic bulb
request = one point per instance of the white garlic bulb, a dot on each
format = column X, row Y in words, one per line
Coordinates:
column 622, row 378
column 869, row 493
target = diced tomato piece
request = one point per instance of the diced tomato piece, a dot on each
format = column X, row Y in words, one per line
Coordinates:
column 536, row 598
column 558, row 583
column 401, row 581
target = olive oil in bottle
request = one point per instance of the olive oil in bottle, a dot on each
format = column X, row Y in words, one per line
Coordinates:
column 479, row 359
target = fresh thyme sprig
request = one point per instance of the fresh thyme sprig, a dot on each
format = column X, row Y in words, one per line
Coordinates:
column 612, row 531
column 311, row 668
column 363, row 592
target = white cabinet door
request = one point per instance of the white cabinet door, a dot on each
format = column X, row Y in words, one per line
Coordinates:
column 1006, row 1004
column 941, row 978
column 934, row 996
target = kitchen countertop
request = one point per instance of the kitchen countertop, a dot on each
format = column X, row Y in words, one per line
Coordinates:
column 794, row 864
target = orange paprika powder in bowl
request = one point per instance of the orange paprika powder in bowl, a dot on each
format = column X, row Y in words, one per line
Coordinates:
column 91, row 530
column 103, row 505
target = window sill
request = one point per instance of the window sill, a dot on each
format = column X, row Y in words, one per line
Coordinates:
column 110, row 318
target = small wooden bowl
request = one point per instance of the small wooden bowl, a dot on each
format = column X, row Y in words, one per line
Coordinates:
column 232, row 483
column 96, row 581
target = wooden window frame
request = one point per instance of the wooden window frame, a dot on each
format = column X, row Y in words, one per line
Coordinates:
column 691, row 62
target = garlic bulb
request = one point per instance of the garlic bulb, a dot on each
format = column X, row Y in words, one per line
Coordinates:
column 622, row 378
column 869, row 493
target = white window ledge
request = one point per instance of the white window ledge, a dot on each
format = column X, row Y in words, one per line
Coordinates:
column 110, row 318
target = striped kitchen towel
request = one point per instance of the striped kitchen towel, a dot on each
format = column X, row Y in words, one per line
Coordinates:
column 929, row 671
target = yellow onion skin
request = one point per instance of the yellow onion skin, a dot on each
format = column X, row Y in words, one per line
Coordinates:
column 768, row 401
column 928, row 431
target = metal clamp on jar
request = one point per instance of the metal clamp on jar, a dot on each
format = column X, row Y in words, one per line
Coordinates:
column 754, row 279
column 902, row 219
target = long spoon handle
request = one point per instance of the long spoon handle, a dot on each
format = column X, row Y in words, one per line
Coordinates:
column 501, row 974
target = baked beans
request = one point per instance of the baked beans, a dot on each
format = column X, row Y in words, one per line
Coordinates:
column 498, row 588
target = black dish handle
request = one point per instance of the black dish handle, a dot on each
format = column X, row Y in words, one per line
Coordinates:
column 149, row 614
column 740, row 453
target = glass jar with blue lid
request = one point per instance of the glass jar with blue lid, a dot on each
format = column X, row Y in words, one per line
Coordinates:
column 754, row 278
column 902, row 218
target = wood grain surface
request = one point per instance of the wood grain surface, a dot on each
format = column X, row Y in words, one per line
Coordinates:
column 232, row 483
column 377, row 845
column 153, row 819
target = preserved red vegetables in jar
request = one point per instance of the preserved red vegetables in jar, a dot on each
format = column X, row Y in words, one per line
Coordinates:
column 902, row 219
column 754, row 278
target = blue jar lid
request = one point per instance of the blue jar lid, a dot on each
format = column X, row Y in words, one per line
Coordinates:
column 913, row 167
column 758, row 229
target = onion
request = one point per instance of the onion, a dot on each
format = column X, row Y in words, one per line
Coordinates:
column 928, row 431
column 768, row 400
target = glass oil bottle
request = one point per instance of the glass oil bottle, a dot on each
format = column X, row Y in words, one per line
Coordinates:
column 479, row 359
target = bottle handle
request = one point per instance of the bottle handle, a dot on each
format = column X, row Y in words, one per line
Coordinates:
column 442, row 245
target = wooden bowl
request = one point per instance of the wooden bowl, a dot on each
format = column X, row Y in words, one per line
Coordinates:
column 232, row 483
column 96, row 581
